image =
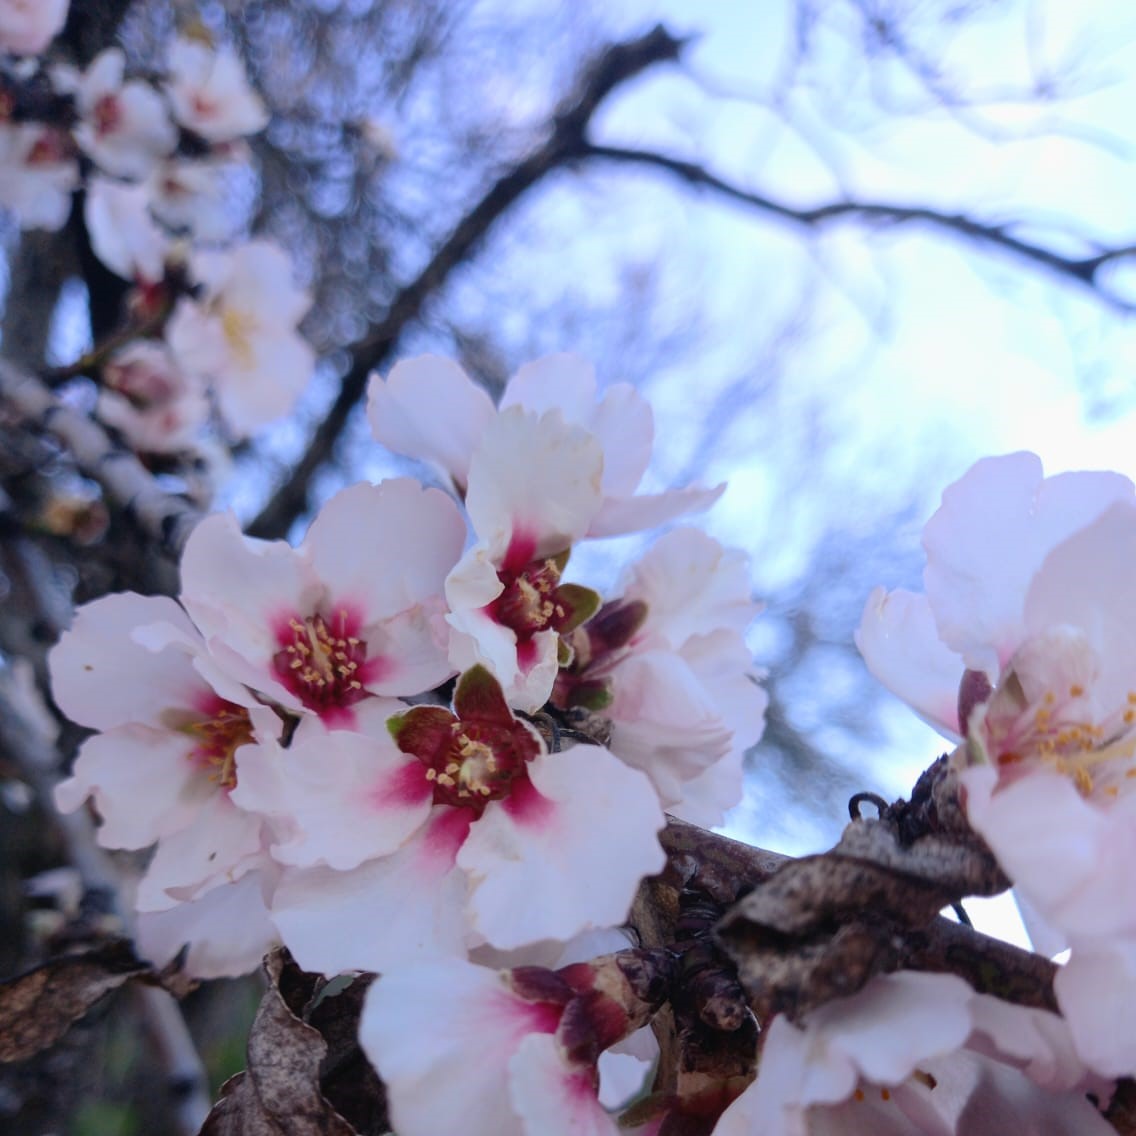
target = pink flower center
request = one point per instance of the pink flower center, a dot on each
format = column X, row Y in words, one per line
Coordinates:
column 47, row 150
column 107, row 115
column 479, row 765
column 221, row 735
column 323, row 661
column 202, row 106
column 528, row 603
column 1059, row 734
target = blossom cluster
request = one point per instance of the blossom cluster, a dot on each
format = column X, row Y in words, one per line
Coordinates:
column 383, row 745
column 151, row 161
column 1022, row 648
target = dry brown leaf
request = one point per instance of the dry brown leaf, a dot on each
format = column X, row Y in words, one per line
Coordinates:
column 37, row 1008
column 279, row 1094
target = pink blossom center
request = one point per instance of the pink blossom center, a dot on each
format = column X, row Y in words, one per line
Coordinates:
column 47, row 150
column 107, row 115
column 1059, row 733
column 202, row 107
column 221, row 735
column 323, row 661
column 528, row 603
column 479, row 765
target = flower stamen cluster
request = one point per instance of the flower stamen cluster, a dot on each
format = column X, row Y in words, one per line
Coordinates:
column 323, row 665
column 222, row 734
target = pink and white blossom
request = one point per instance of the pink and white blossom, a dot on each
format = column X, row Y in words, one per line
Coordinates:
column 1029, row 587
column 469, row 832
column 918, row 1053
column 196, row 195
column 666, row 661
column 428, row 408
column 161, row 768
column 122, row 232
column 499, row 1053
column 985, row 546
column 241, row 335
column 124, row 126
column 28, row 26
column 533, row 489
column 38, row 174
column 146, row 397
column 355, row 611
column 210, row 92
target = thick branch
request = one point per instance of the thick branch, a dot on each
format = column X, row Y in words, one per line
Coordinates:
column 165, row 517
column 725, row 869
column 1085, row 271
column 614, row 66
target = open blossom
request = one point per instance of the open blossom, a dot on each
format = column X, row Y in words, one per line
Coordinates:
column 534, row 486
column 667, row 663
column 917, row 1053
column 123, row 125
column 38, row 174
column 353, row 612
column 163, row 764
column 210, row 92
column 146, row 397
column 122, row 232
column 28, row 26
column 194, row 196
column 1042, row 618
column 460, row 829
column 985, row 546
column 428, row 408
column 462, row 1048
column 241, row 335
column 548, row 468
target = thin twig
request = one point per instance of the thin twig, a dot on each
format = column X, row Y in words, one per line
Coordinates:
column 614, row 66
column 167, row 518
column 1085, row 271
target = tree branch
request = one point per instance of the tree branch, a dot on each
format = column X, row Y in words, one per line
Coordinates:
column 1085, row 271
column 614, row 66
column 166, row 517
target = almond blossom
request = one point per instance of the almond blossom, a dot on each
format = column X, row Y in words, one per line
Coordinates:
column 1043, row 621
column 533, row 489
column 915, row 1054
column 124, row 126
column 667, row 663
column 505, row 1053
column 38, row 174
column 548, row 468
column 146, row 397
column 462, row 829
column 28, row 26
column 319, row 628
column 123, row 234
column 984, row 546
column 163, row 764
column 241, row 335
column 210, row 92
column 193, row 195
column 428, row 408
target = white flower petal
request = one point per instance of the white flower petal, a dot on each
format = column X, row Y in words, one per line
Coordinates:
column 551, row 1099
column 429, row 409
column 565, row 853
column 387, row 912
